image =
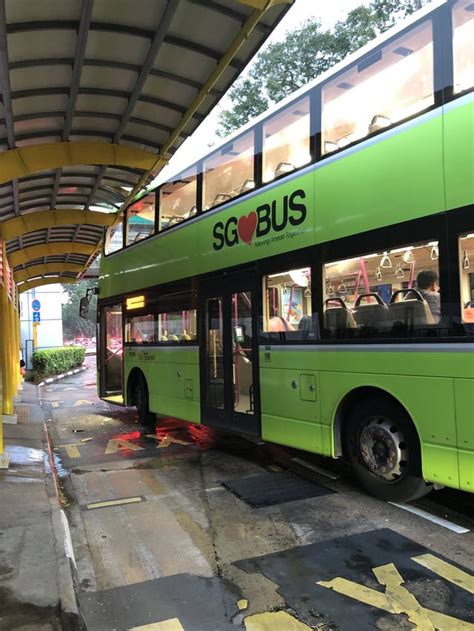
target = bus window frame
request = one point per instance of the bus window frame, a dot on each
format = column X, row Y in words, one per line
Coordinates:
column 424, row 229
column 437, row 94
column 278, row 264
column 252, row 131
column 125, row 221
column 459, row 222
column 158, row 229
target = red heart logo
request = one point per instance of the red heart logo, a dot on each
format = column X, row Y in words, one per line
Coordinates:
column 246, row 227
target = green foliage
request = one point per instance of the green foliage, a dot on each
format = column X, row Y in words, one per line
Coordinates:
column 304, row 54
column 73, row 325
column 54, row 361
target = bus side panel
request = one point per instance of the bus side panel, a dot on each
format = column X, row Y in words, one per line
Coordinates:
column 459, row 152
column 290, row 407
column 278, row 218
column 172, row 376
column 157, row 260
column 428, row 401
column 464, row 395
column 383, row 181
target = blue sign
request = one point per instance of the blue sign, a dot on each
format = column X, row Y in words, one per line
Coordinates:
column 36, row 305
column 36, row 316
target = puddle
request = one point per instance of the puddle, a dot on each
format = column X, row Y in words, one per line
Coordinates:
column 24, row 455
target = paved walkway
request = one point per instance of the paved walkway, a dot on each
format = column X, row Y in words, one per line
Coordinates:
column 36, row 589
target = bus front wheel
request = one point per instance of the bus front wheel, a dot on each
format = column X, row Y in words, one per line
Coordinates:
column 142, row 403
column 382, row 447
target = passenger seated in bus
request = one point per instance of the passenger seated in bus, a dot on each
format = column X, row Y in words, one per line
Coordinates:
column 427, row 283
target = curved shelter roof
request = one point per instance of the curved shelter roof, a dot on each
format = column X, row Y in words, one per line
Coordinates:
column 96, row 97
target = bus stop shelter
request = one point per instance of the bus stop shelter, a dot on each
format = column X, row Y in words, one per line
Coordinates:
column 96, row 97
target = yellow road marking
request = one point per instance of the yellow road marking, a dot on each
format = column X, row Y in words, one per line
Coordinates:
column 396, row 599
column 446, row 571
column 115, row 444
column 274, row 621
column 167, row 625
column 72, row 449
column 166, row 441
column 127, row 500
column 82, row 402
column 242, row 604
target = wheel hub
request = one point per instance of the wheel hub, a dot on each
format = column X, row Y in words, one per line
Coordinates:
column 382, row 448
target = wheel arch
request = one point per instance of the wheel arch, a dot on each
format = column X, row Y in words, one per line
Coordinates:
column 350, row 399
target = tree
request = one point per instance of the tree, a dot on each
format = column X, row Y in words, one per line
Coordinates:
column 303, row 55
column 73, row 325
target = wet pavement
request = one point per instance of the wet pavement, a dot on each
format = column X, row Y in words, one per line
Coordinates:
column 186, row 528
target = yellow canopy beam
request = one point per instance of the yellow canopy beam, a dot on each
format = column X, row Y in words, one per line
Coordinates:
column 263, row 5
column 20, row 257
column 32, row 284
column 21, row 162
column 46, row 268
column 19, row 226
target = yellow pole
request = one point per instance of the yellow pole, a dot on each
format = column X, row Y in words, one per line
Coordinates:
column 17, row 343
column 5, row 351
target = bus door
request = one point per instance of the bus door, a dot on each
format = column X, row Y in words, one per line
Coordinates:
column 229, row 355
column 110, row 353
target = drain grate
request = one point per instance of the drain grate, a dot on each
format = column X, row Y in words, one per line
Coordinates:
column 22, row 412
column 267, row 489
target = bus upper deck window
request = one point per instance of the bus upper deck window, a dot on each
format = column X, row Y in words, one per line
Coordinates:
column 463, row 48
column 141, row 219
column 229, row 172
column 178, row 199
column 114, row 239
column 286, row 140
column 387, row 86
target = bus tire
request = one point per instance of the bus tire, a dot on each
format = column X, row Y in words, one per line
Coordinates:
column 381, row 444
column 140, row 397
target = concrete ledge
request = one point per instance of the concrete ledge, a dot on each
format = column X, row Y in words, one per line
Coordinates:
column 58, row 377
column 10, row 419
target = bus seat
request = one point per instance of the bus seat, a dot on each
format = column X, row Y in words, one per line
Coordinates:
column 379, row 121
column 220, row 198
column 369, row 314
column 284, row 167
column 337, row 319
column 410, row 311
column 248, row 185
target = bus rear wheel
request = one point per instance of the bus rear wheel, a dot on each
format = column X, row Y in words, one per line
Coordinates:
column 382, row 447
column 140, row 396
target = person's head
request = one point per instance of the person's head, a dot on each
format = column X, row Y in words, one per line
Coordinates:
column 296, row 310
column 427, row 280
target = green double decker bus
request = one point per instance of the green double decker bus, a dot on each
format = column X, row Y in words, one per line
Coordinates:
column 310, row 281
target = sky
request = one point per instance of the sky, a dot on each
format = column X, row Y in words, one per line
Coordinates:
column 327, row 11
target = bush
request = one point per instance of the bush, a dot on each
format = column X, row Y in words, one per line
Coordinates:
column 54, row 361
